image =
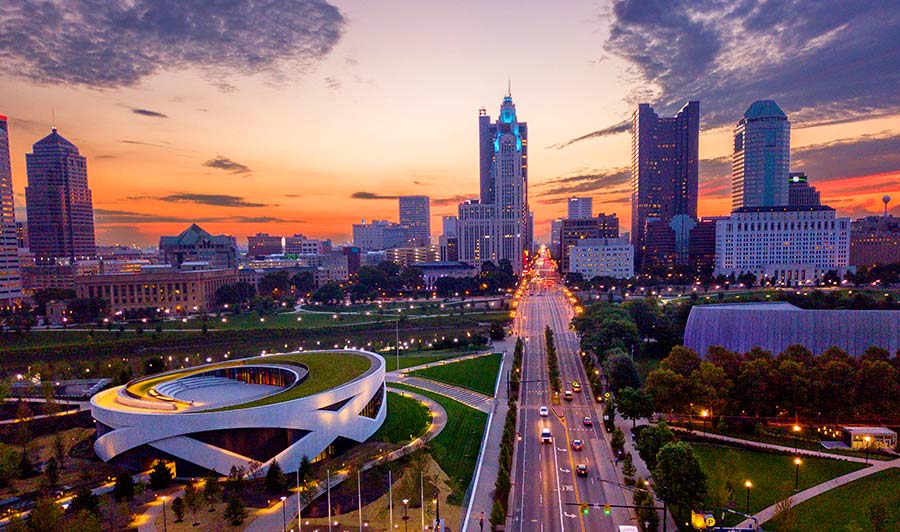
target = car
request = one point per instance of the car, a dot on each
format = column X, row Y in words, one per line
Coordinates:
column 544, row 411
column 577, row 445
column 567, row 396
column 588, row 422
column 576, row 387
column 546, row 437
column 581, row 470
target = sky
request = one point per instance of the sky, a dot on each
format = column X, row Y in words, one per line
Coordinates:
column 306, row 116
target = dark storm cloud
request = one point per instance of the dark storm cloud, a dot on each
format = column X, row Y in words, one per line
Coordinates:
column 224, row 163
column 371, row 195
column 148, row 112
column 217, row 200
column 825, row 62
column 117, row 44
column 110, row 216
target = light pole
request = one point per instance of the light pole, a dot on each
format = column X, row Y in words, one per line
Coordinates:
column 797, row 463
column 748, row 485
column 437, row 511
column 405, row 515
column 705, row 415
column 283, row 516
column 165, row 524
column 796, row 438
column 867, row 440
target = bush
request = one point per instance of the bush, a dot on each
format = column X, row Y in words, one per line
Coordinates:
column 178, row 509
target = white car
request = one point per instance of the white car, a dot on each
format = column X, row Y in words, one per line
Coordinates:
column 544, row 411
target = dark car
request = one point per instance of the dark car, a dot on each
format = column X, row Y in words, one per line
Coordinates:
column 581, row 470
column 577, row 445
column 588, row 422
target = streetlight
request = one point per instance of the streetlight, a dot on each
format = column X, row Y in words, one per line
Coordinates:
column 797, row 462
column 165, row 525
column 405, row 515
column 867, row 440
column 705, row 415
column 796, row 437
column 437, row 511
column 283, row 516
column 748, row 485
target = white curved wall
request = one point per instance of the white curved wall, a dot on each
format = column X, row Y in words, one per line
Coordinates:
column 166, row 430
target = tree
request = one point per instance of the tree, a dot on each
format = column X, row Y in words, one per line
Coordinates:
column 235, row 480
column 330, row 292
column 154, row 365
column 622, row 373
column 178, row 509
column 211, row 491
column 275, row 284
column 304, row 282
column 679, row 479
column 235, row 513
column 785, row 517
column 681, row 360
column 160, row 476
column 710, row 386
column 87, row 310
column 275, row 478
column 650, row 439
column 412, row 278
column 46, row 515
column 628, row 469
column 304, row 470
column 85, row 500
column 617, row 442
column 192, row 498
column 669, row 390
column 497, row 331
column 60, row 450
column 51, row 472
column 123, row 488
column 634, row 404
column 84, row 521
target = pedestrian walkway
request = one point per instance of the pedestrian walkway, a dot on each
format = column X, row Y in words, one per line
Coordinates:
column 470, row 398
column 444, row 361
column 771, row 446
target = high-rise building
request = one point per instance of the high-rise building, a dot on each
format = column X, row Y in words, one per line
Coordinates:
column 379, row 234
column 572, row 231
column 498, row 226
column 800, row 192
column 664, row 167
column 196, row 245
column 449, row 226
column 58, row 201
column 22, row 234
column 415, row 216
column 262, row 244
column 761, row 157
column 580, row 208
column 602, row 257
column 10, row 277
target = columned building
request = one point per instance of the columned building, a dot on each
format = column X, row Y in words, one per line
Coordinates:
column 664, row 167
column 10, row 277
column 498, row 225
column 58, row 201
column 761, row 157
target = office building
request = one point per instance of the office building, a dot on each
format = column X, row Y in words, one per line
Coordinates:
column 300, row 245
column 58, row 201
column 497, row 226
column 262, row 244
column 449, row 248
column 415, row 216
column 702, row 245
column 800, row 192
column 22, row 235
column 783, row 245
column 10, row 277
column 580, row 208
column 405, row 257
column 448, row 225
column 761, row 157
column 602, row 257
column 664, row 167
column 196, row 245
column 875, row 240
column 571, row 231
column 379, row 234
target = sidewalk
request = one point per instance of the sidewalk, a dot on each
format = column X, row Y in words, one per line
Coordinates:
column 772, row 446
column 465, row 396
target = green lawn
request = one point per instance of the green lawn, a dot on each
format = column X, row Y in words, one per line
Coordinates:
column 772, row 475
column 455, row 449
column 405, row 417
column 409, row 359
column 838, row 508
column 479, row 374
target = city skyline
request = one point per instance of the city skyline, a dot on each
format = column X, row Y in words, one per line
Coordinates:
column 170, row 140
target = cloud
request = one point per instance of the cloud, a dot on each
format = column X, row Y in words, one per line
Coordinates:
column 332, row 83
column 621, row 127
column 118, row 44
column 217, row 200
column 226, row 164
column 148, row 112
column 869, row 154
column 142, row 143
column 371, row 196
column 583, row 183
column 452, row 200
column 111, row 216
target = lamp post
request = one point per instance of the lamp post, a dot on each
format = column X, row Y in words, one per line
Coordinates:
column 705, row 415
column 797, row 463
column 405, row 515
column 796, row 429
column 437, row 511
column 867, row 440
column 748, row 485
column 283, row 516
column 165, row 524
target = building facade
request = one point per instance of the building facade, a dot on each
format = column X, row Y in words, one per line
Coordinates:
column 10, row 277
column 498, row 226
column 875, row 240
column 300, row 245
column 167, row 288
column 580, row 208
column 415, row 216
column 262, row 244
column 58, row 201
column 800, row 192
column 664, row 167
column 379, row 234
column 196, row 245
column 783, row 245
column 574, row 230
column 602, row 257
column 761, row 157
column 405, row 257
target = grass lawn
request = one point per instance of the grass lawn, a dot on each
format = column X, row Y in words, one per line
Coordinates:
column 772, row 474
column 405, row 416
column 455, row 449
column 409, row 359
column 835, row 509
column 479, row 374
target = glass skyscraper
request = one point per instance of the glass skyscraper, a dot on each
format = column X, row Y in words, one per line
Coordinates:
column 761, row 159
column 58, row 201
column 10, row 280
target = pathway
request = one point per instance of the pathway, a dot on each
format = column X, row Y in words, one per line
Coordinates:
column 470, row 398
column 771, row 446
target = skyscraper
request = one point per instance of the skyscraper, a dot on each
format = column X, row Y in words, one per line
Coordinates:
column 664, row 153
column 58, row 201
column 761, row 158
column 415, row 215
column 498, row 226
column 580, row 208
column 800, row 192
column 10, row 280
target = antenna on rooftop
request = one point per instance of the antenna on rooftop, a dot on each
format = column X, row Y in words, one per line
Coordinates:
column 53, row 117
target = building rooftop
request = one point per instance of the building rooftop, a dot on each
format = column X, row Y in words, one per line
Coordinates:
column 764, row 109
column 870, row 430
column 786, row 208
column 55, row 139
